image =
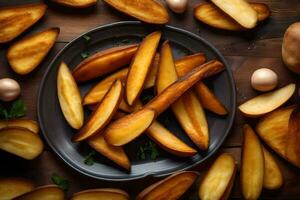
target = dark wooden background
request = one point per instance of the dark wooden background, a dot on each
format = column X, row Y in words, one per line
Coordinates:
column 245, row 52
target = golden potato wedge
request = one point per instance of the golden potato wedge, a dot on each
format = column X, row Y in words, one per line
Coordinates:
column 116, row 154
column 103, row 194
column 211, row 15
column 218, row 179
column 150, row 81
column 26, row 54
column 188, row 63
column 129, row 127
column 171, row 187
column 119, row 132
column 69, row 97
column 267, row 102
column 76, row 3
column 169, row 142
column 252, row 165
column 187, row 109
column 178, row 88
column 140, row 66
column 47, row 192
column 14, row 187
column 104, row 62
column 208, row 100
column 150, row 11
column 15, row 20
column 103, row 113
column 273, row 178
column 22, row 123
column 239, row 10
column 21, row 142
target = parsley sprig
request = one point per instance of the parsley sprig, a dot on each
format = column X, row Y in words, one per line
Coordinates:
column 89, row 159
column 148, row 150
column 61, row 182
column 17, row 110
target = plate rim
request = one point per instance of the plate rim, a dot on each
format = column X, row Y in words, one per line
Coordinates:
column 149, row 174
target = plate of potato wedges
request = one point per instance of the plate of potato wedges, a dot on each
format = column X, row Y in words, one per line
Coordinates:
column 128, row 100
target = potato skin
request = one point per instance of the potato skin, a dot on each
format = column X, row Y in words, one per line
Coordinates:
column 291, row 48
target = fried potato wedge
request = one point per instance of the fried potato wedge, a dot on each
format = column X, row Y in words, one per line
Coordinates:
column 76, row 3
column 219, row 178
column 188, row 63
column 273, row 178
column 22, row 123
column 47, row 192
column 169, row 142
column 172, row 187
column 211, row 15
column 150, row 11
column 169, row 95
column 151, row 78
column 69, row 97
column 280, row 130
column 14, row 187
column 102, row 114
column 252, row 165
column 239, row 10
column 116, row 154
column 129, row 127
column 267, row 102
column 140, row 66
column 102, row 193
column 21, row 142
column 187, row 109
column 208, row 100
column 26, row 54
column 119, row 132
column 104, row 62
column 16, row 19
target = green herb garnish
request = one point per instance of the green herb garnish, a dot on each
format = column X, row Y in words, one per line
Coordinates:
column 58, row 180
column 84, row 54
column 148, row 150
column 89, row 159
column 17, row 110
column 146, row 98
column 87, row 38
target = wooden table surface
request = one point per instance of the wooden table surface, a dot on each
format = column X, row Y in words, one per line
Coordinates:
column 245, row 52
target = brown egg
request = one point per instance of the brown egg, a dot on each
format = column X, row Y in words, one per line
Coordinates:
column 9, row 89
column 264, row 79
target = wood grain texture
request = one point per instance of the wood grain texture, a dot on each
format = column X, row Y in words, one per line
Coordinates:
column 244, row 52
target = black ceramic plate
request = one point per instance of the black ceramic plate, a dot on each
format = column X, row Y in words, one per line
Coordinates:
column 58, row 134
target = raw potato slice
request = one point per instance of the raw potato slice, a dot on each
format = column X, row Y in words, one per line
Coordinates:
column 218, row 179
column 169, row 142
column 16, row 19
column 103, row 113
column 69, row 97
column 101, row 194
column 172, row 187
column 209, row 100
column 280, row 130
column 267, row 102
column 14, row 187
column 128, row 128
column 21, row 142
column 150, row 81
column 252, row 165
column 22, row 123
column 187, row 109
column 211, row 15
column 239, row 10
column 104, row 62
column 76, row 3
column 273, row 178
column 26, row 54
column 150, row 11
column 116, row 154
column 140, row 66
column 47, row 192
